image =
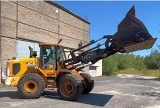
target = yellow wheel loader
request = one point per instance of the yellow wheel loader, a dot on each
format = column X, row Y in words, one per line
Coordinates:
column 52, row 70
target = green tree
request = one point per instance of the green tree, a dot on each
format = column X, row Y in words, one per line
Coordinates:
column 126, row 61
column 109, row 66
column 153, row 60
column 139, row 63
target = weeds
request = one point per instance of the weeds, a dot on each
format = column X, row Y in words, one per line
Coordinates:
column 155, row 73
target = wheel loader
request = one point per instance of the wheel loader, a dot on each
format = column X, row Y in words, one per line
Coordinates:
column 52, row 70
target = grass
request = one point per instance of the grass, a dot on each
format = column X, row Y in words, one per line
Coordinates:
column 2, row 85
column 155, row 73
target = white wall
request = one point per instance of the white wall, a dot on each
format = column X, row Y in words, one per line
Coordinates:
column 98, row 71
column 23, row 50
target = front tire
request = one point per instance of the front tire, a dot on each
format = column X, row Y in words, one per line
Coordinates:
column 31, row 86
column 69, row 87
column 88, row 83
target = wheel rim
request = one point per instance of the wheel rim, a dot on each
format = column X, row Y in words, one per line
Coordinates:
column 30, row 86
column 67, row 88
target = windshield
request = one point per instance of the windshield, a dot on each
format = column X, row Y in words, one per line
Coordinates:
column 54, row 52
column 61, row 54
column 49, row 51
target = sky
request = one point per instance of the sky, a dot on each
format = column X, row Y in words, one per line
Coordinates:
column 105, row 16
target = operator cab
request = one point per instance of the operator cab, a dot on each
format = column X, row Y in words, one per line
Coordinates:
column 50, row 55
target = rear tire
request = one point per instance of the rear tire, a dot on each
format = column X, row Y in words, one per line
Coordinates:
column 88, row 83
column 31, row 86
column 69, row 87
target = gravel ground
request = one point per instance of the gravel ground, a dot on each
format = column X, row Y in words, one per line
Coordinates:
column 123, row 91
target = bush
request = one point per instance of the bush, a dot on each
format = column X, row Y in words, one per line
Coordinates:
column 118, row 62
column 153, row 60
column 109, row 66
column 126, row 61
column 139, row 63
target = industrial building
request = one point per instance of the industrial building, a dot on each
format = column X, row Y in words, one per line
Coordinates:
column 27, row 23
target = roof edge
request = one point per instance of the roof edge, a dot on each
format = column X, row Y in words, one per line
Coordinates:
column 68, row 11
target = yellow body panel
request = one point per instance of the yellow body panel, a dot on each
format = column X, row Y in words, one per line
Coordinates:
column 12, row 81
column 30, row 65
column 26, row 65
column 50, row 72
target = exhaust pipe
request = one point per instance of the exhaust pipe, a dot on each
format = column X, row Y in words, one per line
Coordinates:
column 132, row 35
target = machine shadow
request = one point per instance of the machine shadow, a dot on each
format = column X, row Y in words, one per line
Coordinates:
column 94, row 99
column 90, row 99
column 10, row 94
column 52, row 94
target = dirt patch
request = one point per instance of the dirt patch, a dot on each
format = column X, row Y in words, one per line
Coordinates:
column 136, row 76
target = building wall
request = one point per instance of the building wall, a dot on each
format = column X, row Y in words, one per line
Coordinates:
column 96, row 69
column 99, row 68
column 38, row 21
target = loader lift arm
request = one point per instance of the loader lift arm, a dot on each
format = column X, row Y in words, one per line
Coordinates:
column 131, row 35
column 94, row 54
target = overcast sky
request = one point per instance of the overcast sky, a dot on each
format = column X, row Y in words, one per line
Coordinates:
column 104, row 16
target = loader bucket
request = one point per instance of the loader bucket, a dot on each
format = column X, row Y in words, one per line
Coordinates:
column 132, row 35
